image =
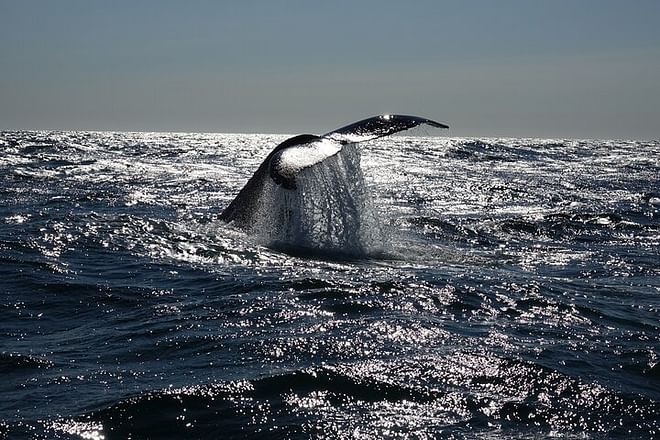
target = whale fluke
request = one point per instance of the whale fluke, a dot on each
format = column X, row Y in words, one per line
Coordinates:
column 378, row 126
column 302, row 152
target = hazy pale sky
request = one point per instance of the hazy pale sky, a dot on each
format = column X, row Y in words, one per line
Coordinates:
column 548, row 68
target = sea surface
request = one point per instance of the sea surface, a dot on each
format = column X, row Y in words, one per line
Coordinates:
column 512, row 291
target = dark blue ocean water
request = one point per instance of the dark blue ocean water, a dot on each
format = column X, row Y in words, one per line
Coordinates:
column 516, row 294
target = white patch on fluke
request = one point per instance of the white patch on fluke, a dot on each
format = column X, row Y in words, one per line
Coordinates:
column 295, row 159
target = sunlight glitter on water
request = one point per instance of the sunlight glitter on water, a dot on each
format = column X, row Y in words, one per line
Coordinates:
column 517, row 298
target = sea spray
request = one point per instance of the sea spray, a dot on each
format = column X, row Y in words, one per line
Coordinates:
column 330, row 210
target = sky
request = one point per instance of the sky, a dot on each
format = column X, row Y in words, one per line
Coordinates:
column 518, row 68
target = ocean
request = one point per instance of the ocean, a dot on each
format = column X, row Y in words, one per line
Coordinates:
column 510, row 289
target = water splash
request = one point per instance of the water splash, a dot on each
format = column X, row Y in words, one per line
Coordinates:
column 329, row 211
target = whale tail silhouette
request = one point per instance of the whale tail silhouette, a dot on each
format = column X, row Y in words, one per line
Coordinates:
column 273, row 204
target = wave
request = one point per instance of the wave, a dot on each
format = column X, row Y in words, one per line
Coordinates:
column 468, row 391
column 12, row 363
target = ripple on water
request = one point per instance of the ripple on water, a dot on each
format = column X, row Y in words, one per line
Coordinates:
column 514, row 295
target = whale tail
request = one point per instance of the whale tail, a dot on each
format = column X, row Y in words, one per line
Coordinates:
column 296, row 155
column 287, row 162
